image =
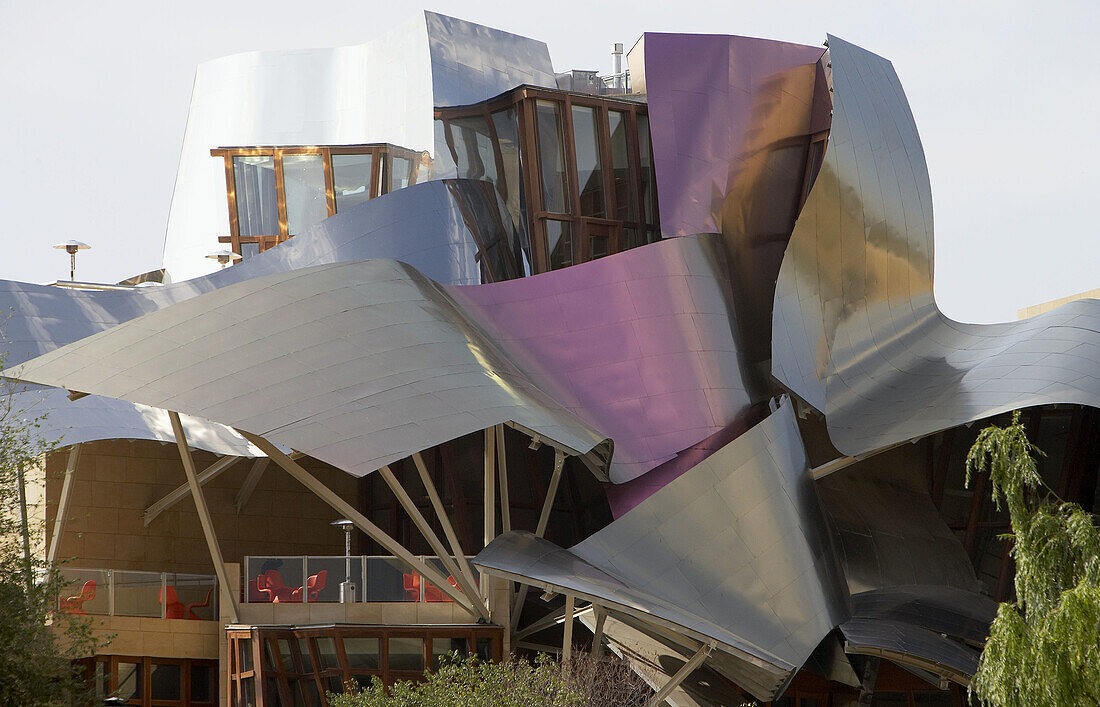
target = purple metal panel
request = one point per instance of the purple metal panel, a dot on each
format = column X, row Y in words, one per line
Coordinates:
column 640, row 346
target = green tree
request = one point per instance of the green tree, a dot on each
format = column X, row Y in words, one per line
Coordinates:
column 37, row 644
column 1043, row 649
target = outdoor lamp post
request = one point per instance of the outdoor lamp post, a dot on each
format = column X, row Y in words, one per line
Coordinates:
column 71, row 247
column 347, row 587
column 224, row 257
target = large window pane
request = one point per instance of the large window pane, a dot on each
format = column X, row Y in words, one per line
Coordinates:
column 130, row 684
column 326, row 652
column 559, row 243
column 649, row 184
column 137, row 593
column 257, row 202
column 586, row 138
column 620, row 166
column 164, row 681
column 555, row 192
column 201, row 678
column 406, row 653
column 351, row 179
column 474, row 148
column 362, row 653
column 304, row 184
column 401, row 169
column 444, row 647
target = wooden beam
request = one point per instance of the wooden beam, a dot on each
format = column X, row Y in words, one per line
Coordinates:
column 567, row 639
column 540, row 529
column 688, row 668
column 441, row 513
column 227, row 592
column 250, row 482
column 425, row 529
column 502, row 470
column 180, row 492
column 63, row 503
column 346, row 510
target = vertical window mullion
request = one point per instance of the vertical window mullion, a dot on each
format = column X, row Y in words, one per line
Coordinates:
column 330, row 181
column 635, row 157
column 280, row 196
column 231, row 191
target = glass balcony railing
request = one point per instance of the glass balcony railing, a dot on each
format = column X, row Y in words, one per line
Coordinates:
column 164, row 595
column 356, row 578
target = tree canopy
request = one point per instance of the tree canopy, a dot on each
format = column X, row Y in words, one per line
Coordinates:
column 1044, row 648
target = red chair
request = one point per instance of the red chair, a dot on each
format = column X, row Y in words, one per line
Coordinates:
column 316, row 583
column 255, row 596
column 75, row 605
column 271, row 583
column 191, row 614
column 412, row 586
column 173, row 607
column 434, row 593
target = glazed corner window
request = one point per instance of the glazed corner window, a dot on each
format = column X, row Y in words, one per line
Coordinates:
column 275, row 193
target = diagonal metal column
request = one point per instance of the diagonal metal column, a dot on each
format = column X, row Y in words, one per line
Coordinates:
column 444, row 520
column 540, row 529
column 63, row 503
column 425, row 529
column 250, row 482
column 180, row 492
column 694, row 662
column 227, row 593
column 348, row 511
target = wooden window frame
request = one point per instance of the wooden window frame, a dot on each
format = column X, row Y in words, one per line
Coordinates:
column 382, row 155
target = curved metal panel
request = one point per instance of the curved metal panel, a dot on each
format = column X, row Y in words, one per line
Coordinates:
column 382, row 91
column 424, row 225
column 638, row 345
column 911, row 645
column 944, row 610
column 735, row 550
column 357, row 364
column 94, row 418
column 856, row 331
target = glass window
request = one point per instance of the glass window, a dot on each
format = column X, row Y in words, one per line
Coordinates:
column 164, row 681
column 303, row 650
column 586, row 139
column 559, row 243
column 474, row 147
column 304, row 189
column 485, row 649
column 399, row 173
column 201, row 679
column 351, row 179
column 362, row 653
column 555, row 191
column 257, row 203
column 244, row 648
column 271, row 694
column 130, row 685
column 334, row 684
column 620, row 166
column 649, row 185
column 248, row 691
column 444, row 647
column 890, row 699
column 326, row 652
column 406, row 653
column 100, row 679
column 286, row 656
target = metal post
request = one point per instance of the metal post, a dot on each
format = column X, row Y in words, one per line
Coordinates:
column 567, row 640
column 63, row 504
column 110, row 592
column 502, row 470
column 305, row 580
column 597, row 634
column 489, row 511
column 348, row 511
column 544, row 519
column 688, row 668
column 163, row 595
column 24, row 526
column 204, row 515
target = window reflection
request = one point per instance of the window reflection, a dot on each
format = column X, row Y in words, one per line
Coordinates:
column 649, row 185
column 620, row 167
column 257, row 201
column 351, row 179
column 400, row 173
column 474, row 148
column 559, row 239
column 304, row 186
column 586, row 140
column 551, row 158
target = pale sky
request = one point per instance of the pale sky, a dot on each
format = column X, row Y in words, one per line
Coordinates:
column 1005, row 96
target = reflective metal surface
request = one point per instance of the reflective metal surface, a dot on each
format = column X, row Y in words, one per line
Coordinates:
column 654, row 366
column 357, row 364
column 382, row 91
column 910, row 645
column 856, row 331
column 93, row 418
column 734, row 550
